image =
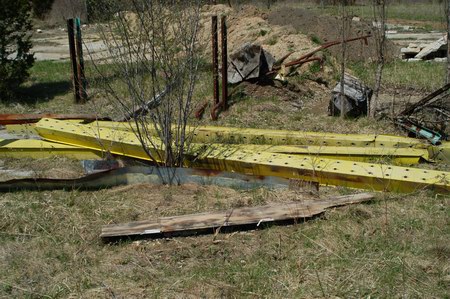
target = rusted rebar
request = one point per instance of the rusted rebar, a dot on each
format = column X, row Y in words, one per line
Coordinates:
column 73, row 59
column 215, row 58
column 80, row 63
column 224, row 63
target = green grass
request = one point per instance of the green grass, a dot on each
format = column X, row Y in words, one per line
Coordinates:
column 431, row 12
column 421, row 75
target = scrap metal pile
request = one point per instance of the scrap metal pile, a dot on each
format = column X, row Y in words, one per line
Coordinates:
column 348, row 160
column 429, row 117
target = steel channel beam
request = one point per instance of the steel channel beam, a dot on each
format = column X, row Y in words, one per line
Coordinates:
column 229, row 135
column 231, row 158
column 398, row 156
column 441, row 152
column 38, row 149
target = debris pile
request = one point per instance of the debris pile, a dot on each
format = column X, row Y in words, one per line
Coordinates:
column 249, row 62
column 434, row 51
column 357, row 95
column 428, row 118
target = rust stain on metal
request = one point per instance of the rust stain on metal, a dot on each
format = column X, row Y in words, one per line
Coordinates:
column 13, row 119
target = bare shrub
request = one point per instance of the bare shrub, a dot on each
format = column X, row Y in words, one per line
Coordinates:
column 153, row 55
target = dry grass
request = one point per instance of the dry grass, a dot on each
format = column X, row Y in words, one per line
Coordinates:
column 393, row 247
column 427, row 15
column 396, row 246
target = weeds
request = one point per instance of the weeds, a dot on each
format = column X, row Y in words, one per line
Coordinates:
column 420, row 75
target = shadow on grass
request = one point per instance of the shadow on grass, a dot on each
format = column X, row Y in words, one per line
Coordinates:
column 42, row 92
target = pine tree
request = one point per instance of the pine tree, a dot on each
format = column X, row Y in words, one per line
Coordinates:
column 15, row 45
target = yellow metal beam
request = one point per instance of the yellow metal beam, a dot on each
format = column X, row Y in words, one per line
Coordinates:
column 440, row 152
column 232, row 158
column 21, row 129
column 398, row 156
column 38, row 149
column 210, row 134
column 402, row 154
column 371, row 153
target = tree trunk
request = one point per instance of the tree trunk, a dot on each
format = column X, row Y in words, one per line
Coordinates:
column 380, row 37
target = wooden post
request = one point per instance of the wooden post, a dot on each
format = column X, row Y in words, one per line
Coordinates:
column 224, row 63
column 80, row 63
column 73, row 59
column 215, row 59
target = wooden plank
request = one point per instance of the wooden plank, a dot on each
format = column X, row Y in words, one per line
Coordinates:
column 233, row 218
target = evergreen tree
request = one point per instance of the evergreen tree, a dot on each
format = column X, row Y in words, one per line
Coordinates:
column 15, row 45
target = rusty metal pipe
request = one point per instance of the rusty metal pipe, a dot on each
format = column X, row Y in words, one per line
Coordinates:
column 215, row 58
column 224, row 63
column 11, row 119
column 73, row 59
column 80, row 64
column 201, row 110
column 323, row 47
column 298, row 63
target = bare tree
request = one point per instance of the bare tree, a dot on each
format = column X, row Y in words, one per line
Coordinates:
column 379, row 8
column 153, row 54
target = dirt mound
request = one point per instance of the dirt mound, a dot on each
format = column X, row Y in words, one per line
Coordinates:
column 328, row 28
column 249, row 24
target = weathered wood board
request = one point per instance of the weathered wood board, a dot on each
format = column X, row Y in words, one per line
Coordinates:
column 208, row 222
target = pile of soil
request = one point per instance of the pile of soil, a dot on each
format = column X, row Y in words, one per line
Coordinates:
column 328, row 28
column 249, row 24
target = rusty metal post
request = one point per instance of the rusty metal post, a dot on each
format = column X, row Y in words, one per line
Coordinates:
column 80, row 63
column 215, row 59
column 224, row 63
column 73, row 58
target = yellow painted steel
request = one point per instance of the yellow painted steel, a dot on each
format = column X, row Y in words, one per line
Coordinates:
column 209, row 134
column 22, row 129
column 401, row 156
column 233, row 158
column 440, row 152
column 398, row 156
column 38, row 149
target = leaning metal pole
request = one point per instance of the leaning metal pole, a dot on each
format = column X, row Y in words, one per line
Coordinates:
column 224, row 63
column 215, row 59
